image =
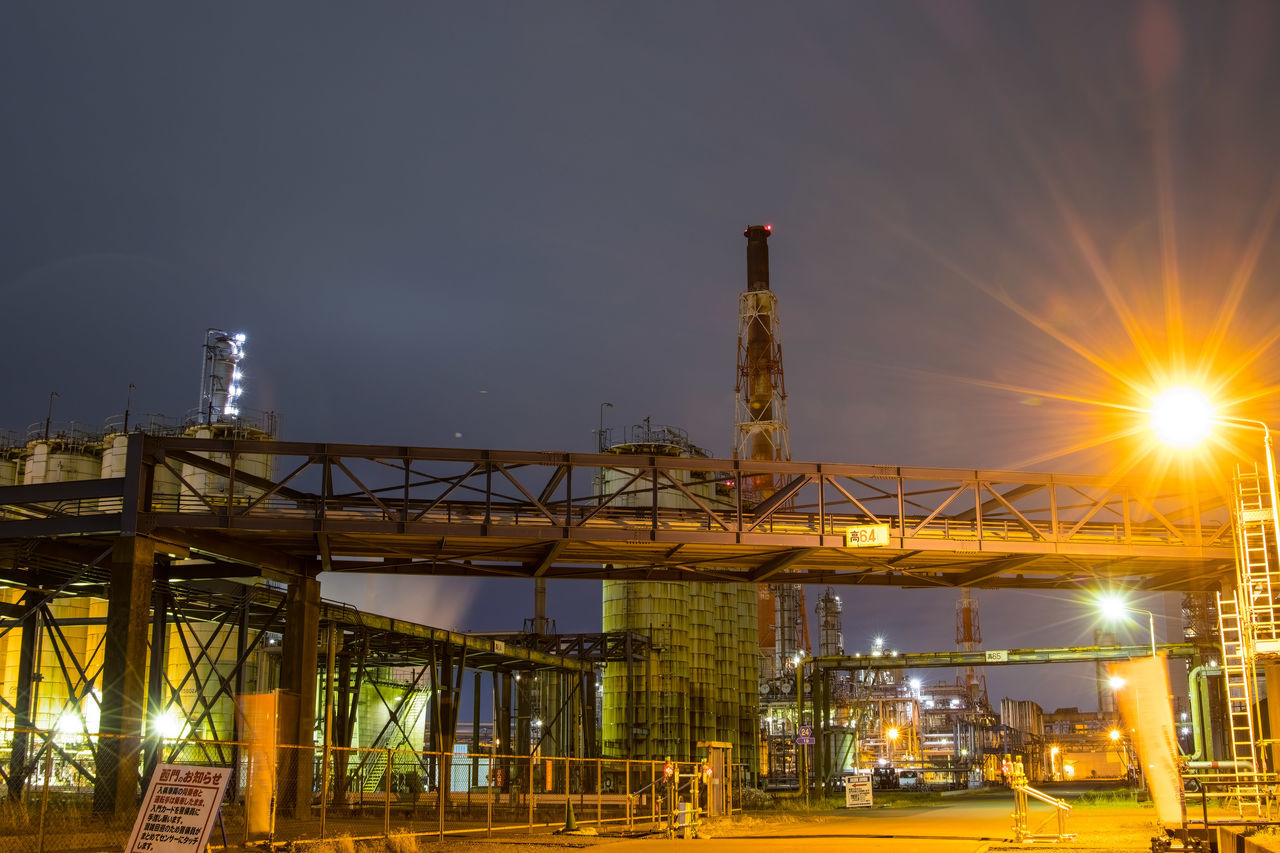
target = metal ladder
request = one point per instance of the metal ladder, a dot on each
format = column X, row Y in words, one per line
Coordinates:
column 1247, row 626
column 1256, row 564
column 1239, row 673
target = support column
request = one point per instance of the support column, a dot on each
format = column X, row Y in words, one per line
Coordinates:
column 24, row 702
column 503, row 728
column 589, row 747
column 299, row 657
column 1270, row 754
column 475, row 730
column 237, row 719
column 124, row 698
column 156, row 681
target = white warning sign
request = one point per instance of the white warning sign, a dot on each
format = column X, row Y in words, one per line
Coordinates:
column 179, row 809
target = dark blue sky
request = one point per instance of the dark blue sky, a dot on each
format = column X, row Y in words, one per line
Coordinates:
column 469, row 224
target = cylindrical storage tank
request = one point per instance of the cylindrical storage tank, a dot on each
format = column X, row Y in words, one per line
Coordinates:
column 8, row 470
column 59, row 461
column 214, row 487
column 10, row 659
column 69, row 456
column 164, row 485
column 702, row 669
column 726, row 662
column 748, row 665
column 202, row 680
column 691, row 690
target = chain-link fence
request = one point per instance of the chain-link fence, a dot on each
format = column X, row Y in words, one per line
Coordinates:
column 60, row 801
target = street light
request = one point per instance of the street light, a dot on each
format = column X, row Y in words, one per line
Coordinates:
column 1113, row 607
column 1182, row 417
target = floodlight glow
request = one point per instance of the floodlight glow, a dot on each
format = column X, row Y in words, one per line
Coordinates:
column 170, row 724
column 1182, row 416
column 1114, row 734
column 891, row 734
column 1116, row 682
column 1113, row 606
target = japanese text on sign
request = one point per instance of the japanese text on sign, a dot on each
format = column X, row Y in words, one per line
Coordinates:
column 866, row 536
column 178, row 810
column 857, row 791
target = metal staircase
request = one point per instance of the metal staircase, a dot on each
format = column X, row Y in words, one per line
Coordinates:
column 375, row 763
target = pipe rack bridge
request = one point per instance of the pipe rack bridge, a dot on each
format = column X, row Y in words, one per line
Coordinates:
column 286, row 509
column 996, row 657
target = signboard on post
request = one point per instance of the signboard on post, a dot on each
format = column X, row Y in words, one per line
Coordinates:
column 179, row 809
column 866, row 536
column 805, row 736
column 857, row 791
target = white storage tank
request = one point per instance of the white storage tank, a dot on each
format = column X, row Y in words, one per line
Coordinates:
column 216, row 488
column 62, row 457
column 115, row 454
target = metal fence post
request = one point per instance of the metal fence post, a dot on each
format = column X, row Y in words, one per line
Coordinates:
column 386, row 790
column 443, row 788
column 599, row 793
column 529, row 792
column 489, row 783
column 44, row 797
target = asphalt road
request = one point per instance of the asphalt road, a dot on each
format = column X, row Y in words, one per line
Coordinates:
column 966, row 824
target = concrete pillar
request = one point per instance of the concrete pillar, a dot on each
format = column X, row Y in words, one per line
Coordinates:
column 299, row 658
column 124, row 698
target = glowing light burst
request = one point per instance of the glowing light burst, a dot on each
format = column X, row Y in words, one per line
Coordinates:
column 1182, row 417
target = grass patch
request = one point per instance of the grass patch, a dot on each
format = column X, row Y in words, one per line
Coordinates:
column 1111, row 797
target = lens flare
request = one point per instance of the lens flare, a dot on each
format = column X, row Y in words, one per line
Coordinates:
column 1182, row 417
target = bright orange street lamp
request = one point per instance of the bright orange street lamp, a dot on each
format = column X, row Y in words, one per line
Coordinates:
column 1182, row 417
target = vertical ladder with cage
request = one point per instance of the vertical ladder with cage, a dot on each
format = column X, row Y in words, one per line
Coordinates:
column 1248, row 626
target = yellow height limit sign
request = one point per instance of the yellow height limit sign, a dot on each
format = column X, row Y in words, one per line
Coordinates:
column 866, row 536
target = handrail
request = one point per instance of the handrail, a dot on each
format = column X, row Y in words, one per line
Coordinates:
column 1045, row 798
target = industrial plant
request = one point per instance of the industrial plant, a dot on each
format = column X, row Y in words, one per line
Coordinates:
column 162, row 602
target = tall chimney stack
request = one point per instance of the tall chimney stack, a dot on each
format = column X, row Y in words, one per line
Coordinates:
column 758, row 256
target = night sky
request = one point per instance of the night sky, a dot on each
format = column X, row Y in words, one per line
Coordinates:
column 470, row 224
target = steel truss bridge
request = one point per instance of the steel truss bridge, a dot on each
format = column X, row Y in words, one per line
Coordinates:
column 496, row 513
column 232, row 534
